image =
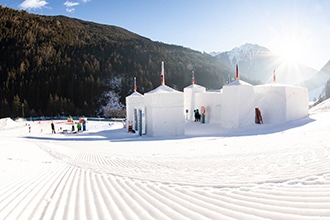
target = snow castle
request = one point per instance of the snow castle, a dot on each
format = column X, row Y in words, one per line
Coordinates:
column 166, row 110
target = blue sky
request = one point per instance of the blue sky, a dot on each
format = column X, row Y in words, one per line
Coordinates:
column 298, row 30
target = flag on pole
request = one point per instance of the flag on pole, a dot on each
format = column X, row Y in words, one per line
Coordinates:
column 274, row 77
column 134, row 84
column 162, row 77
column 193, row 78
column 236, row 71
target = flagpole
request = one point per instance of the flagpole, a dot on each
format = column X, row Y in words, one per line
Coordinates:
column 134, row 84
column 162, row 77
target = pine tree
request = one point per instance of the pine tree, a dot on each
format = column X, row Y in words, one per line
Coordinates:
column 16, row 106
column 5, row 108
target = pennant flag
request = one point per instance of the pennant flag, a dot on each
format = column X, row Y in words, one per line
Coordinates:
column 274, row 77
column 134, row 84
column 162, row 77
column 193, row 78
column 236, row 71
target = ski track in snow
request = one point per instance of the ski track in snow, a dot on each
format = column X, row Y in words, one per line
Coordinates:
column 105, row 179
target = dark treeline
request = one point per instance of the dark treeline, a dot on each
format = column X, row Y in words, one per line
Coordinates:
column 52, row 65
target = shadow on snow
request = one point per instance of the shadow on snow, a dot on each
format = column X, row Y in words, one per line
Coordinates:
column 192, row 130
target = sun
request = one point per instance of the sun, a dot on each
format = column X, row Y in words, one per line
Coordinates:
column 292, row 53
column 291, row 50
column 292, row 43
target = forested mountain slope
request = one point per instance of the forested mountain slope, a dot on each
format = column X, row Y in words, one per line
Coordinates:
column 59, row 65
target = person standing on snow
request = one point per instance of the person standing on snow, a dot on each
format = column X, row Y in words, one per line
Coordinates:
column 79, row 127
column 53, row 128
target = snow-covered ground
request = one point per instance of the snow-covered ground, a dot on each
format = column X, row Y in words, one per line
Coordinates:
column 260, row 172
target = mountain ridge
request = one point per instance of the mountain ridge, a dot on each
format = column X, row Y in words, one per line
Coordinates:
column 259, row 63
column 56, row 65
column 61, row 65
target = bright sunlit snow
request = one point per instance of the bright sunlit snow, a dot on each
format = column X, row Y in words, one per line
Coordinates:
column 268, row 171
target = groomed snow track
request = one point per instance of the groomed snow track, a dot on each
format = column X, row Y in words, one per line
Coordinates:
column 83, row 185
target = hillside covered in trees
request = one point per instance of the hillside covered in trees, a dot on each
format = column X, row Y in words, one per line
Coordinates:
column 56, row 65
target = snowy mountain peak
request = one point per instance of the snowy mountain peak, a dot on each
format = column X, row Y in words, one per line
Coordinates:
column 245, row 52
column 249, row 48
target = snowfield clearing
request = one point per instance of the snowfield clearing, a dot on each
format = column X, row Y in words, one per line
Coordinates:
column 264, row 171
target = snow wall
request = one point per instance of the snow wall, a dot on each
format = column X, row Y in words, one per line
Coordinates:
column 134, row 102
column 280, row 103
column 238, row 108
column 212, row 101
column 164, row 112
column 190, row 102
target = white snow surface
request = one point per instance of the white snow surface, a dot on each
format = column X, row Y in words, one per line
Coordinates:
column 279, row 171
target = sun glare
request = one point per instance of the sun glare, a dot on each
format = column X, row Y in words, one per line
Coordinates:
column 290, row 50
column 292, row 43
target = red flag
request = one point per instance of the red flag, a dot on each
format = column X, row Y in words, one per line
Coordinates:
column 193, row 78
column 162, row 77
column 134, row 84
column 236, row 71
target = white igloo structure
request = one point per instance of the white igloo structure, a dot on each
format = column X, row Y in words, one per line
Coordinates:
column 212, row 103
column 281, row 103
column 238, row 106
column 191, row 95
column 164, row 112
column 135, row 106
column 134, row 103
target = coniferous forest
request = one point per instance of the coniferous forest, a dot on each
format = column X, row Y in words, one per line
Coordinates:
column 55, row 65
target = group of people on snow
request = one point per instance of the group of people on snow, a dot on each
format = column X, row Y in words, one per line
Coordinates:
column 79, row 127
column 197, row 115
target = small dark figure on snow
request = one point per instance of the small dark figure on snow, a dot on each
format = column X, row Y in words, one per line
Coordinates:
column 258, row 118
column 197, row 115
column 53, row 128
column 79, row 127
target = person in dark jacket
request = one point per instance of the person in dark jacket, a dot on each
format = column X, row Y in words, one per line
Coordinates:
column 258, row 118
column 197, row 115
column 53, row 128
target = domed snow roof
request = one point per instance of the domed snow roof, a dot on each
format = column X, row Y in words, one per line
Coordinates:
column 238, row 83
column 135, row 94
column 192, row 86
column 163, row 89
